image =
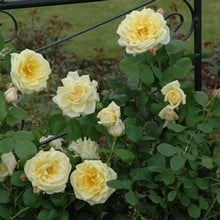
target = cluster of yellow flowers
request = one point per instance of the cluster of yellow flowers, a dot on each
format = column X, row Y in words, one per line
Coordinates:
column 49, row 171
column 174, row 95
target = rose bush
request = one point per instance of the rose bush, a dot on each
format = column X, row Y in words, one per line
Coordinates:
column 147, row 147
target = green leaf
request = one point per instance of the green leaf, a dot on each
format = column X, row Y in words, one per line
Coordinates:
column 142, row 99
column 47, row 214
column 133, row 82
column 176, row 127
column 156, row 199
column 63, row 215
column 56, row 124
column 18, row 113
column 74, row 129
column 157, row 72
column 1, row 42
column 131, row 198
column 32, row 199
column 4, row 212
column 203, row 204
column 177, row 162
column 167, row 150
column 4, row 195
column 133, row 133
column 182, row 68
column 3, row 108
column 176, row 46
column 16, row 178
column 120, row 217
column 140, row 174
column 185, row 201
column 193, row 211
column 59, row 199
column 205, row 127
column 120, row 184
column 201, row 98
column 171, row 195
column 202, row 183
column 207, row 162
column 6, row 145
column 24, row 150
column 125, row 155
column 168, row 177
column 146, row 74
column 130, row 66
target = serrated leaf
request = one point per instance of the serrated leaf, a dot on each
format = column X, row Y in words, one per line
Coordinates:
column 167, row 150
column 193, row 211
column 4, row 195
column 171, row 195
column 125, row 155
column 207, row 162
column 32, row 199
column 120, row 184
column 201, row 98
column 177, row 162
column 131, row 198
column 205, row 127
column 133, row 133
column 203, row 204
column 176, row 127
column 56, row 124
column 16, row 179
column 74, row 129
column 176, row 46
column 181, row 68
column 146, row 74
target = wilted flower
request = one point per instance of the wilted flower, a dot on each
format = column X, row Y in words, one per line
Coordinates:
column 117, row 130
column 86, row 149
column 56, row 144
column 168, row 114
column 11, row 95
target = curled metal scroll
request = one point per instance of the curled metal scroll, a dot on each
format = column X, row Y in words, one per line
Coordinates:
column 15, row 31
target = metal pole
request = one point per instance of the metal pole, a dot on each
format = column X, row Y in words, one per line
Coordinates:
column 198, row 44
column 38, row 3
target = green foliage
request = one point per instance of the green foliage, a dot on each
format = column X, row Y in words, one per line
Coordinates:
column 161, row 162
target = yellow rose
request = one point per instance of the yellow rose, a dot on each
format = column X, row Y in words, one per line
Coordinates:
column 168, row 114
column 174, row 94
column 7, row 165
column 89, row 181
column 143, row 30
column 110, row 115
column 77, row 96
column 48, row 171
column 86, row 149
column 117, row 130
column 29, row 71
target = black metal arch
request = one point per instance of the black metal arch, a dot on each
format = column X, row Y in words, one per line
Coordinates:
column 195, row 26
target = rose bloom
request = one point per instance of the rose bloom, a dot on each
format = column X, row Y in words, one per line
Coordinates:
column 143, row 30
column 86, row 149
column 168, row 114
column 11, row 95
column 77, row 96
column 117, row 130
column 110, row 115
column 48, row 171
column 89, row 181
column 7, row 165
column 174, row 94
column 29, row 71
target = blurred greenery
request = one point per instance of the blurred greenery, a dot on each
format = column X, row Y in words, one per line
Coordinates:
column 84, row 15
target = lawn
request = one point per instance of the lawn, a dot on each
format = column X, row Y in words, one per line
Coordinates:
column 84, row 15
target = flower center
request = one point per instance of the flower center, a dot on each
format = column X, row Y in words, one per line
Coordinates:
column 174, row 97
column 76, row 94
column 47, row 169
column 142, row 31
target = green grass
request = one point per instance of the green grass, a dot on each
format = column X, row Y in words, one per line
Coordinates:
column 84, row 15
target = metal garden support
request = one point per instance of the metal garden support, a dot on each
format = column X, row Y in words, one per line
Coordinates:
column 196, row 25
